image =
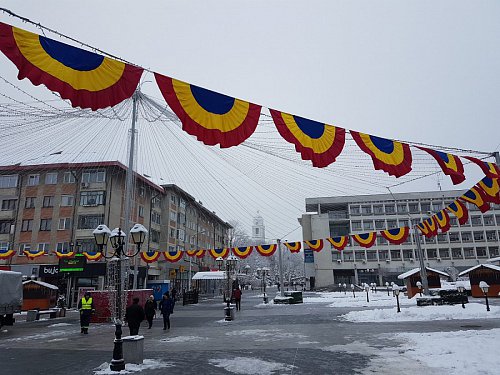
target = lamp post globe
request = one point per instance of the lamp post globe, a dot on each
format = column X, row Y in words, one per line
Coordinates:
column 419, row 286
column 461, row 290
column 387, row 286
column 367, row 289
column 396, row 290
column 485, row 287
column 353, row 292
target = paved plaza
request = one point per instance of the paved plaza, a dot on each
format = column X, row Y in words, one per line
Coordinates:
column 309, row 338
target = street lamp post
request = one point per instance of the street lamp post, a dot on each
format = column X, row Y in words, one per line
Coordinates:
column 395, row 289
column 484, row 287
column 353, row 293
column 230, row 267
column 345, row 288
column 387, row 286
column 340, row 287
column 367, row 289
column 419, row 286
column 461, row 290
column 117, row 239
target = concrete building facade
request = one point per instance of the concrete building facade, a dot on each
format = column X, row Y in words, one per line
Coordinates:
column 461, row 247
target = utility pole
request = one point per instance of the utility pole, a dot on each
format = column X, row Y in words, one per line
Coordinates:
column 423, row 271
column 280, row 257
column 496, row 154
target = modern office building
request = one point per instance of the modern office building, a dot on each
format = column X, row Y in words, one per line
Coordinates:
column 57, row 206
column 461, row 247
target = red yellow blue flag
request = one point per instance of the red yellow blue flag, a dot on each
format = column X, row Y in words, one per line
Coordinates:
column 396, row 236
column 150, row 256
column 339, row 243
column 266, row 250
column 294, row 247
column 491, row 170
column 242, row 252
column 477, row 197
column 365, row 239
column 451, row 165
column 315, row 245
column 459, row 209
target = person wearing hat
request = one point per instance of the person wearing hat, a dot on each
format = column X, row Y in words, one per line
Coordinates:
column 150, row 310
column 134, row 315
column 86, row 307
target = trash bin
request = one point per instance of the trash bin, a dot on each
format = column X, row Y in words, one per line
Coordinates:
column 31, row 315
column 133, row 349
column 229, row 313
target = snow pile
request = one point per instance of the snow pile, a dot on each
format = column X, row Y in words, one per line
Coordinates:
column 59, row 325
column 183, row 339
column 424, row 313
column 39, row 336
column 460, row 352
column 339, row 299
column 148, row 364
column 266, row 334
column 251, row 366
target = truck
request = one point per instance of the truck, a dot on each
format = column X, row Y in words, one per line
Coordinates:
column 11, row 296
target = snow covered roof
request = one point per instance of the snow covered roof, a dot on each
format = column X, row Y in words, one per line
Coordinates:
column 415, row 270
column 47, row 285
column 211, row 275
column 494, row 260
column 491, row 266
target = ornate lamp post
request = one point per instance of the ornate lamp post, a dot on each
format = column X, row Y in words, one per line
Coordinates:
column 231, row 262
column 117, row 239
column 396, row 290
column 387, row 286
column 484, row 287
column 353, row 292
column 345, row 288
column 419, row 286
column 461, row 290
column 367, row 289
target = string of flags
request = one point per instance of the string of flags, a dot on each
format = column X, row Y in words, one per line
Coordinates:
column 481, row 195
column 90, row 80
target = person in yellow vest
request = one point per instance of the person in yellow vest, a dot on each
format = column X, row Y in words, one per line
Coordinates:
column 86, row 307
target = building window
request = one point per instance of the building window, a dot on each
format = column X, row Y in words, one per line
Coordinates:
column 492, row 250
column 172, row 215
column 45, row 224
column 24, row 247
column 383, row 254
column 488, row 220
column 48, row 201
column 33, row 179
column 442, row 238
column 402, row 208
column 371, row 255
column 173, row 198
column 181, row 234
column 413, row 208
column 86, row 245
column 92, row 198
column 64, row 223
column 4, row 246
column 360, row 255
column 156, row 218
column 155, row 236
column 392, row 224
column 437, row 206
column 481, row 252
column 454, row 237
column 336, row 255
column 8, row 181
column 90, row 221
column 67, row 200
column 453, row 221
column 182, row 204
column 141, row 211
column 172, row 233
column 45, row 247
column 381, row 241
column 94, row 176
column 366, row 210
column 68, row 178
column 431, row 253
column 9, row 204
column 30, row 202
column 469, row 253
column 355, row 210
column 62, row 247
column 395, row 254
column 444, row 253
column 491, row 236
column 379, row 224
column 378, row 209
column 425, row 207
column 456, row 253
column 356, row 225
column 466, row 236
column 476, row 221
column 407, row 254
column 27, row 225
column 390, row 209
column 51, row 179
column 430, row 240
column 367, row 225
column 5, row 226
column 156, row 202
column 141, row 191
column 479, row 236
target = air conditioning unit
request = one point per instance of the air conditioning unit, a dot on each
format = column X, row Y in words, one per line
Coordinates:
column 85, row 185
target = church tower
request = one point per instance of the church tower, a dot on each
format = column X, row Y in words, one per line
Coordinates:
column 258, row 230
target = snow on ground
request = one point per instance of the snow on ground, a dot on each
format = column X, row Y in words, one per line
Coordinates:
column 340, row 299
column 266, row 334
column 421, row 313
column 148, row 364
column 183, row 339
column 39, row 336
column 251, row 366
column 59, row 325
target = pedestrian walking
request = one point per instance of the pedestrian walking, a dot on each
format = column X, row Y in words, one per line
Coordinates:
column 237, row 298
column 86, row 307
column 166, row 307
column 134, row 315
column 150, row 310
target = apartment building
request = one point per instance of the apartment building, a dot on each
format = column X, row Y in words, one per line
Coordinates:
column 461, row 247
column 57, row 206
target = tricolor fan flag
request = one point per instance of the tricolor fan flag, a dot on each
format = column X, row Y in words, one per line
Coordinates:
column 315, row 245
column 87, row 79
column 365, row 239
column 320, row 143
column 491, row 170
column 211, row 117
column 451, row 165
column 459, row 209
column 294, row 247
column 339, row 243
column 390, row 156
column 396, row 236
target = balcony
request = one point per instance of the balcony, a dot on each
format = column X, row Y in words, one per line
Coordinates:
column 339, row 215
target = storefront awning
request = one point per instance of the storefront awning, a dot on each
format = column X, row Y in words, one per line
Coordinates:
column 212, row 275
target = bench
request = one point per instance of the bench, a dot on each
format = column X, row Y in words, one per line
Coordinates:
column 51, row 313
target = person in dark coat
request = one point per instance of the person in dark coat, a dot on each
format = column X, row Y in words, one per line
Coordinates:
column 134, row 315
column 150, row 310
column 174, row 298
column 166, row 307
column 237, row 298
column 86, row 307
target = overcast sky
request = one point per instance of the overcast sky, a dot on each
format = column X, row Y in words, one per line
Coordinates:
column 421, row 71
